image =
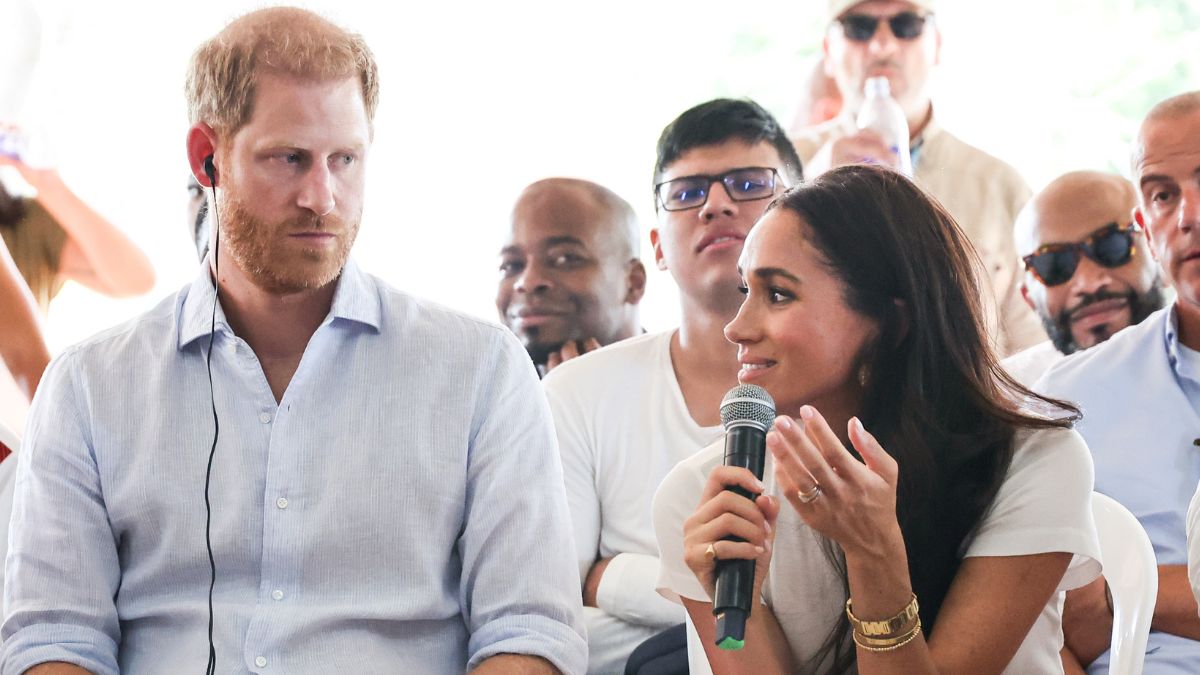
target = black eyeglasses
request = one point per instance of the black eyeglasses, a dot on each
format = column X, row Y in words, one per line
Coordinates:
column 1110, row 246
column 742, row 185
column 862, row 27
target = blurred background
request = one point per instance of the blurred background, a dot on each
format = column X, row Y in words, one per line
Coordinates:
column 481, row 98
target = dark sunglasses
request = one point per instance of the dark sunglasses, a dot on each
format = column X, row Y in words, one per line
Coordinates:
column 862, row 27
column 1110, row 246
column 742, row 185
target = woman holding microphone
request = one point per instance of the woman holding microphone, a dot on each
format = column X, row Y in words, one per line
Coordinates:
column 927, row 510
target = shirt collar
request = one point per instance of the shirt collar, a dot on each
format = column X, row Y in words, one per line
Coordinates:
column 355, row 300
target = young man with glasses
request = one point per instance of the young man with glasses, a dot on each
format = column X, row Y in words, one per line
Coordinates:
column 900, row 40
column 1140, row 394
column 1087, row 271
column 626, row 414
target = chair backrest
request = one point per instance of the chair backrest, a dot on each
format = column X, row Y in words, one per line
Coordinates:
column 697, row 659
column 1131, row 571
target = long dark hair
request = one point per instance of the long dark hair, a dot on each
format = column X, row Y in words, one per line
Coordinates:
column 12, row 208
column 934, row 395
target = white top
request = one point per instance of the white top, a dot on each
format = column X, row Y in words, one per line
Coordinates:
column 1028, row 365
column 622, row 425
column 1044, row 505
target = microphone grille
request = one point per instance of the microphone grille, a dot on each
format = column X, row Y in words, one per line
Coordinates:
column 747, row 404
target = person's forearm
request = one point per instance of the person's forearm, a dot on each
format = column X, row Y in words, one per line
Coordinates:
column 22, row 347
column 880, row 586
column 766, row 650
column 1175, row 610
column 515, row 664
column 625, row 588
column 118, row 266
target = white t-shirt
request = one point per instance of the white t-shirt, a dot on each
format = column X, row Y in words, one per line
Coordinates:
column 1043, row 506
column 622, row 425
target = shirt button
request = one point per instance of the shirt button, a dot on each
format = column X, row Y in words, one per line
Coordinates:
column 282, row 502
column 265, row 418
column 260, row 661
column 277, row 594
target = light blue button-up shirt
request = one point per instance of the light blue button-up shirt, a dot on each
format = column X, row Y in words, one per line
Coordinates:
column 1141, row 422
column 401, row 510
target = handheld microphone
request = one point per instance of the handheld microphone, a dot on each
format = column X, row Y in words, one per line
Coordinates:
column 747, row 412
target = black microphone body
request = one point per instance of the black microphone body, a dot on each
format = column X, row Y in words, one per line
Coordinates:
column 747, row 413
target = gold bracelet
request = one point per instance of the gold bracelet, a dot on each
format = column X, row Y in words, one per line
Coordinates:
column 887, row 644
column 900, row 624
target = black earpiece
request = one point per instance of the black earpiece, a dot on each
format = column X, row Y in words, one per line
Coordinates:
column 210, row 170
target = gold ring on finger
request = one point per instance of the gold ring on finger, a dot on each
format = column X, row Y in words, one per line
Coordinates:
column 710, row 552
column 809, row 496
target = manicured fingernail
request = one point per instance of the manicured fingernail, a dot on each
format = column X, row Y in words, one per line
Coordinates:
column 807, row 412
column 857, row 424
column 759, row 485
column 783, row 422
column 768, row 527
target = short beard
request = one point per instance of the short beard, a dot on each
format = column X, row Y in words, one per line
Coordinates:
column 250, row 240
column 1058, row 327
column 539, row 353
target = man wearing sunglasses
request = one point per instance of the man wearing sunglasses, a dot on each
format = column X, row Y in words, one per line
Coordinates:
column 1140, row 395
column 626, row 414
column 1087, row 271
column 899, row 39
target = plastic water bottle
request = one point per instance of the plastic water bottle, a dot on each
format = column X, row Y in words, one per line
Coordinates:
column 883, row 115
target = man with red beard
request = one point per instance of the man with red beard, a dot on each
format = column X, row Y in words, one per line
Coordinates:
column 1087, row 271
column 359, row 499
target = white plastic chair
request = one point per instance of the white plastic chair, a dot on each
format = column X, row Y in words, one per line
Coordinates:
column 1132, row 574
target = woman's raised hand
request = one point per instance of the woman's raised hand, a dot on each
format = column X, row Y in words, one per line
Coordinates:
column 848, row 501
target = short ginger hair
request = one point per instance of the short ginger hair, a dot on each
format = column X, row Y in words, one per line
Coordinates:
column 281, row 40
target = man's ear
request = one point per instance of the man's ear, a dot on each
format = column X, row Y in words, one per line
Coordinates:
column 1025, row 295
column 656, row 242
column 1141, row 222
column 201, row 144
column 635, row 282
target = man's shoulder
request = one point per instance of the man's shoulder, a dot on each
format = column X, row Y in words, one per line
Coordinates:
column 418, row 317
column 1111, row 360
column 945, row 147
column 619, row 363
column 156, row 327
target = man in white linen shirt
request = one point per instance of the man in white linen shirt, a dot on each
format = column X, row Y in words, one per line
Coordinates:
column 625, row 414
